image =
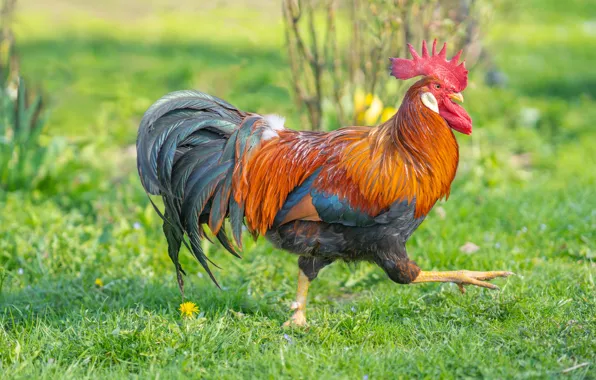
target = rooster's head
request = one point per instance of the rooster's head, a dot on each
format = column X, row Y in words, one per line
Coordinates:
column 445, row 80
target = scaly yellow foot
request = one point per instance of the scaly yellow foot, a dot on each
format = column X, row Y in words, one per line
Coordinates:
column 299, row 316
column 462, row 277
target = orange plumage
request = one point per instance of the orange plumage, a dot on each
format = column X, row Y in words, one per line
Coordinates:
column 412, row 155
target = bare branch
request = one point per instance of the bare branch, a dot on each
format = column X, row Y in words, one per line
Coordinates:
column 326, row 69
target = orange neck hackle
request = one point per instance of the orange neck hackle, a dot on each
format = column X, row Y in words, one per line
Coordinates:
column 413, row 155
column 427, row 147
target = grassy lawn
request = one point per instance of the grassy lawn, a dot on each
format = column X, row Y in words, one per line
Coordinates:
column 525, row 194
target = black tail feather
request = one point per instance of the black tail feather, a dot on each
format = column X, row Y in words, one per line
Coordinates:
column 186, row 152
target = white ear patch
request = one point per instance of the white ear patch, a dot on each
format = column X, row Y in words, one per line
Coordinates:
column 430, row 101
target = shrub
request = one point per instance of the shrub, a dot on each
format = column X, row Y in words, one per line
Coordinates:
column 338, row 50
column 24, row 161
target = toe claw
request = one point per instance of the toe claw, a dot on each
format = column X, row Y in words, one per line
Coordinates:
column 461, row 288
column 298, row 319
column 476, row 280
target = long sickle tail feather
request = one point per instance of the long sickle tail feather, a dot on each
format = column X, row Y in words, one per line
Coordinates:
column 188, row 146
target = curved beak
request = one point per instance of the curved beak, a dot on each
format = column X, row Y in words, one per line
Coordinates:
column 457, row 97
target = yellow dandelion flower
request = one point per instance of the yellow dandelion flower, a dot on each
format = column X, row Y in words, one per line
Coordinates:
column 367, row 107
column 374, row 111
column 369, row 99
column 388, row 112
column 187, row 309
column 99, row 282
column 359, row 101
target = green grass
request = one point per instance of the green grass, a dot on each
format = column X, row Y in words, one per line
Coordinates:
column 525, row 194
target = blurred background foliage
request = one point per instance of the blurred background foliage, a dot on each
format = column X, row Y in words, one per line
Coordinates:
column 530, row 86
column 338, row 51
column 77, row 76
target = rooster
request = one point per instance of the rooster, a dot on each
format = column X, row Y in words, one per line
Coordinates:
column 353, row 194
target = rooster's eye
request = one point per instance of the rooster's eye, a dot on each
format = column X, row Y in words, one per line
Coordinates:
column 437, row 86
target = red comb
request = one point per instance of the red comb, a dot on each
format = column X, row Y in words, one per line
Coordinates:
column 451, row 72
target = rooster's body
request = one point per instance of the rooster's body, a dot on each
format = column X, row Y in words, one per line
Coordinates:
column 354, row 194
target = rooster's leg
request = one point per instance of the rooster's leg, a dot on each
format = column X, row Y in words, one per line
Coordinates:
column 462, row 277
column 299, row 306
column 309, row 269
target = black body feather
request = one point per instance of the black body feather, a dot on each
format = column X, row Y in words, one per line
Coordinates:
column 383, row 243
